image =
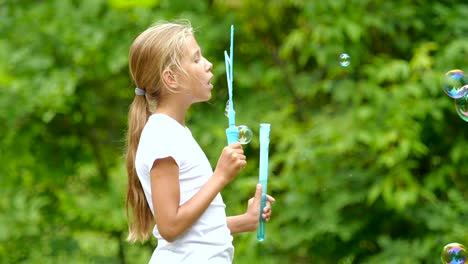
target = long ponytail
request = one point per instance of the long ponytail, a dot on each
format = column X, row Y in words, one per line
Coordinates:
column 142, row 224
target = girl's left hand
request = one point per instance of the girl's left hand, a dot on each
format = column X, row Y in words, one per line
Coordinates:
column 253, row 209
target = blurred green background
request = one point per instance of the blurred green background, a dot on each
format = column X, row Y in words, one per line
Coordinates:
column 368, row 162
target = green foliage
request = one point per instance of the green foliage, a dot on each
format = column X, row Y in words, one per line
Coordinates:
column 367, row 162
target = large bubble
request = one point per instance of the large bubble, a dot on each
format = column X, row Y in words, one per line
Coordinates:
column 453, row 253
column 461, row 105
column 455, row 84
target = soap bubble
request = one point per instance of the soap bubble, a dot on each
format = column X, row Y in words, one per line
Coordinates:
column 461, row 105
column 455, row 84
column 226, row 109
column 453, row 253
column 245, row 134
column 345, row 60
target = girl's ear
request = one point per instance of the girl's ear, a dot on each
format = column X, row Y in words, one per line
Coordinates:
column 169, row 79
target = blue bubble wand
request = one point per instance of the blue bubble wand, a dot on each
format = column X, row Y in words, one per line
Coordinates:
column 263, row 175
column 232, row 132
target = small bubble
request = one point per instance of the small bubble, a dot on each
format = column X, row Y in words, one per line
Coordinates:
column 345, row 60
column 226, row 110
column 245, row 134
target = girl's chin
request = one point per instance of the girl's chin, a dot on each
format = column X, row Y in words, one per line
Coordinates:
column 205, row 99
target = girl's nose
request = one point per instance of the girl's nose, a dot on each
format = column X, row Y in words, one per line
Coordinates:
column 208, row 65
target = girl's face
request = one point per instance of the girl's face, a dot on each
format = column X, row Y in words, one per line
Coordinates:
column 197, row 81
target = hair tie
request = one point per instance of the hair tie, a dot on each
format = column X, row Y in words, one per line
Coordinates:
column 139, row 91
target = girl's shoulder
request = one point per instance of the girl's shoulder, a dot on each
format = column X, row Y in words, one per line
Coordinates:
column 161, row 127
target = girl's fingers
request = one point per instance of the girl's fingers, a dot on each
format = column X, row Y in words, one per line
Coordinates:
column 270, row 199
column 236, row 145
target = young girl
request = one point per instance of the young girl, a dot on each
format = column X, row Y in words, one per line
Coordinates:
column 172, row 189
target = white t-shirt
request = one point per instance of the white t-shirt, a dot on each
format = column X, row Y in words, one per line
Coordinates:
column 208, row 240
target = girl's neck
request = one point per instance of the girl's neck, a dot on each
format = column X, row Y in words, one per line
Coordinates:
column 174, row 105
column 173, row 110
column 180, row 119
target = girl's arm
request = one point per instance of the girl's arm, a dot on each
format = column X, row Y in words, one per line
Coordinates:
column 250, row 220
column 172, row 219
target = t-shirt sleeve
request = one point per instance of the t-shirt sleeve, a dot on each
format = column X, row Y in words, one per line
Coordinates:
column 162, row 144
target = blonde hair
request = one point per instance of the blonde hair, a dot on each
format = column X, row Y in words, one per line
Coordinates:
column 156, row 49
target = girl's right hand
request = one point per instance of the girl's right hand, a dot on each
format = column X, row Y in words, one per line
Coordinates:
column 231, row 161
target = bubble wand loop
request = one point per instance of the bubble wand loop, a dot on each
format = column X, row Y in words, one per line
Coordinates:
column 263, row 175
column 232, row 132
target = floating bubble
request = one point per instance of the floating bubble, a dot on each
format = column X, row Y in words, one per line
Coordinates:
column 453, row 253
column 245, row 134
column 461, row 105
column 226, row 110
column 345, row 60
column 455, row 84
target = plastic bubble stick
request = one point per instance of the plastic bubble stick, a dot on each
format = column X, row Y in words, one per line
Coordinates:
column 232, row 132
column 263, row 175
